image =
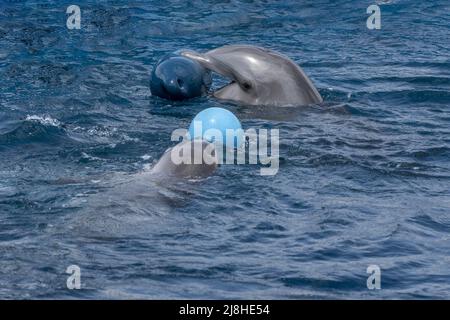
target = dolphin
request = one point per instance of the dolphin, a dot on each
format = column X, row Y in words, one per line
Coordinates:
column 188, row 159
column 128, row 204
column 259, row 76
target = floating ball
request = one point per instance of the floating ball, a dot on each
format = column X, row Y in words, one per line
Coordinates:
column 177, row 78
column 217, row 125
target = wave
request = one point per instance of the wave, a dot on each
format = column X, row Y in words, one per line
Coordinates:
column 34, row 129
column 44, row 120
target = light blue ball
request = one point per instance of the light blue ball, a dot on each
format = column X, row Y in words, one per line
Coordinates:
column 219, row 119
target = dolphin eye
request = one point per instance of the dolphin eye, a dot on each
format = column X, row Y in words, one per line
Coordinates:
column 246, row 85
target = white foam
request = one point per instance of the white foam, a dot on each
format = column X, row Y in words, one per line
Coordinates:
column 45, row 120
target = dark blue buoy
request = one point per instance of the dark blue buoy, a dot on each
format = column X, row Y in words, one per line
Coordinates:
column 177, row 78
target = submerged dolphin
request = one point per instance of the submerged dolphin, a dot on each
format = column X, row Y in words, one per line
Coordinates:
column 259, row 76
column 199, row 161
column 128, row 204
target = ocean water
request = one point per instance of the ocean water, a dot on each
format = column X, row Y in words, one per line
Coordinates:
column 364, row 178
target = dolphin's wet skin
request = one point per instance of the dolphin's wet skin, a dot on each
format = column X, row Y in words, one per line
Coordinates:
column 259, row 76
column 363, row 176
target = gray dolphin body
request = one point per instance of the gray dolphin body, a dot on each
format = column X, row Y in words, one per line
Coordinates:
column 167, row 168
column 259, row 76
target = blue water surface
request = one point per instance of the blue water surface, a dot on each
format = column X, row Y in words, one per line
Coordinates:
column 364, row 177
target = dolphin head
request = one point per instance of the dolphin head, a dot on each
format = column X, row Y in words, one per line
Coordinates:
column 258, row 76
column 187, row 159
column 178, row 78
